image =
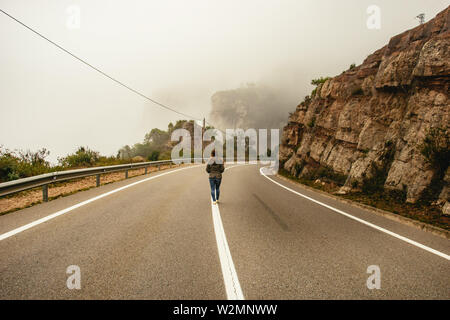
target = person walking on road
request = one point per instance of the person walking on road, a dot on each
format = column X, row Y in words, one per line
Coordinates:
column 215, row 168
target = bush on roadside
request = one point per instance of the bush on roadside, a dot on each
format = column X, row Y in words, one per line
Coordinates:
column 83, row 157
column 21, row 164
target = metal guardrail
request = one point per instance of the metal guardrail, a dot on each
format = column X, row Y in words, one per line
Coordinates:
column 44, row 180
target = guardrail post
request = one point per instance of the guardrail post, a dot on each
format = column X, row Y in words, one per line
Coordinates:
column 159, row 167
column 98, row 180
column 146, row 170
column 126, row 174
column 45, row 192
column 170, row 164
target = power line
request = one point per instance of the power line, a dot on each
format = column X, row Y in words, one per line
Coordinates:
column 105, row 74
column 100, row 71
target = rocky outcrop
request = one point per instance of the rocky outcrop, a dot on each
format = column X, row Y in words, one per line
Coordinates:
column 377, row 114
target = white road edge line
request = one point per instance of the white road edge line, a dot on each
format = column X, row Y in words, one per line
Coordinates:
column 78, row 205
column 230, row 278
column 414, row 243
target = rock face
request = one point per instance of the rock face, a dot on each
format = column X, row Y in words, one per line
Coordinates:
column 377, row 114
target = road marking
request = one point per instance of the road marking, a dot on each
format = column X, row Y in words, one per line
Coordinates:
column 414, row 243
column 230, row 278
column 78, row 205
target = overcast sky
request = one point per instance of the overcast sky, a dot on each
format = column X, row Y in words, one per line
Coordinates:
column 178, row 52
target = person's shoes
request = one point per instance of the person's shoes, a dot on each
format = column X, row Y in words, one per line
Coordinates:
column 217, row 202
column 214, row 202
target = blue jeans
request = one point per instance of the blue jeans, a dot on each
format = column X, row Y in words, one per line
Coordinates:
column 215, row 185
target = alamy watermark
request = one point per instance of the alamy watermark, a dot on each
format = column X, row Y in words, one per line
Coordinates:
column 374, row 280
column 250, row 145
column 74, row 280
column 73, row 17
column 374, row 19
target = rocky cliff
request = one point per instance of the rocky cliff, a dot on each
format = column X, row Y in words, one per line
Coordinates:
column 371, row 121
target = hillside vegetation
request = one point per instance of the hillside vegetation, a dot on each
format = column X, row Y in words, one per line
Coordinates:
column 16, row 164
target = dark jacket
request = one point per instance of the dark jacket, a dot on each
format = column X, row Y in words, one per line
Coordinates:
column 214, row 169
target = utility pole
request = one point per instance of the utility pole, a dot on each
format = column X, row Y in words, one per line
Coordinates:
column 421, row 18
column 203, row 134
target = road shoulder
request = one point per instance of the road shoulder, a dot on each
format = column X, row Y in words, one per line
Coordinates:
column 392, row 216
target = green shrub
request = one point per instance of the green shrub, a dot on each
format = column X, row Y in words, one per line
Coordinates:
column 312, row 122
column 20, row 164
column 83, row 157
column 317, row 82
column 435, row 149
column 154, row 156
column 166, row 155
column 109, row 161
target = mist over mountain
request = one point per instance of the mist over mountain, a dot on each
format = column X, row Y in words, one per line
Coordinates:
column 256, row 106
column 50, row 100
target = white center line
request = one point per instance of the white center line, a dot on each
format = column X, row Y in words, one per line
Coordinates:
column 61, row 212
column 414, row 243
column 230, row 278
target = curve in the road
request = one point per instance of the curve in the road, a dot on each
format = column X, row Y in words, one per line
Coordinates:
column 158, row 240
column 393, row 234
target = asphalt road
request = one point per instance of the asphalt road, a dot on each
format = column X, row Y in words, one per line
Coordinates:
column 161, row 239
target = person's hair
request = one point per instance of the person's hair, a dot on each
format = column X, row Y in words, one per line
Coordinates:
column 213, row 153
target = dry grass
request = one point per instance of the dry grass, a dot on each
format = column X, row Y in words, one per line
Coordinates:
column 34, row 196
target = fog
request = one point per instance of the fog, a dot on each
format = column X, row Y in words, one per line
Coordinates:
column 177, row 52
